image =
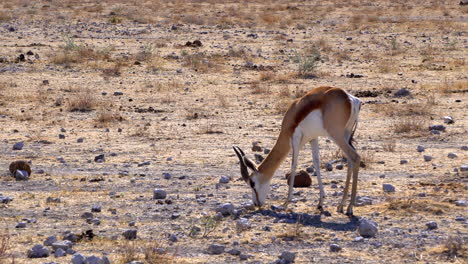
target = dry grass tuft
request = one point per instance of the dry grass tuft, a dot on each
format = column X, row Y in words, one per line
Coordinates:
column 108, row 116
column 258, row 88
column 4, row 246
column 82, row 101
column 4, row 16
column 407, row 205
column 389, row 146
column 410, row 125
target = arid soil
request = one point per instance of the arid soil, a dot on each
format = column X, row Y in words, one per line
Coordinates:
column 80, row 79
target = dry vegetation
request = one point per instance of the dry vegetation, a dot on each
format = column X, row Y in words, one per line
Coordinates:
column 180, row 107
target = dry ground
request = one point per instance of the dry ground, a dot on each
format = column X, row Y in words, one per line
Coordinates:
column 183, row 108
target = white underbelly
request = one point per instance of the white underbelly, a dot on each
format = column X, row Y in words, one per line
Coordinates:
column 311, row 127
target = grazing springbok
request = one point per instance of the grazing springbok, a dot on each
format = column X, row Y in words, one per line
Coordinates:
column 323, row 111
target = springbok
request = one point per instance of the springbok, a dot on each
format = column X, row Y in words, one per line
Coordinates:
column 323, row 111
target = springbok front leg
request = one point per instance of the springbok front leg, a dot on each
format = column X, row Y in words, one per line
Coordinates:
column 295, row 142
column 316, row 157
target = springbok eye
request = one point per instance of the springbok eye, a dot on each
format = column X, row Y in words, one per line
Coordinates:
column 252, row 183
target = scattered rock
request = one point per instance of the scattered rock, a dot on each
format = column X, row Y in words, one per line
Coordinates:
column 130, row 234
column 420, row 148
column 78, row 258
column 93, row 260
column 448, row 120
column 461, row 203
column 403, row 161
column 335, row 248
column 167, row 175
column 65, row 244
column 301, row 180
column 402, row 93
column 224, row 179
column 50, row 240
column 18, row 146
column 427, row 158
column 159, row 194
column 215, row 249
column 70, row 236
column 287, row 257
column 310, row 169
column 452, row 155
column 118, row 93
column 437, row 127
column 146, row 163
column 363, row 200
column 258, row 158
column 96, row 208
column 243, row 224
column 339, row 166
column 464, row 168
column 173, row 238
column 226, row 209
column 38, row 251
column 256, row 146
column 388, row 187
column 328, row 166
column 234, row 252
column 100, row 158
column 60, row 253
column 21, row 175
column 367, row 228
column 431, row 225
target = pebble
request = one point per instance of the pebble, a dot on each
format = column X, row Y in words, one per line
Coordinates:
column 461, row 203
column 310, row 169
column 159, row 194
column 367, row 228
column 335, row 248
column 420, row 148
column 388, row 187
column 80, row 140
column 427, row 158
column 339, row 166
column 464, row 168
column 70, row 236
column 328, row 166
column 448, row 120
column 464, row 148
column 243, row 224
column 21, row 175
column 96, row 208
column 215, row 249
column 21, row 225
column 130, row 234
column 59, row 253
column 18, row 146
column 460, row 219
column 224, row 179
column 437, row 127
column 287, row 257
column 173, row 238
column 402, row 92
column 226, row 209
column 50, row 240
column 431, row 225
column 452, row 155
column 61, row 136
column 65, row 244
column 118, row 93
column 234, row 252
column 78, row 258
column 99, row 158
column 5, row 199
column 167, row 175
column 403, row 161
column 38, row 251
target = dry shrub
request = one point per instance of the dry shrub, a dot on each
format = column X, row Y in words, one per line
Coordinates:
column 407, row 205
column 386, row 66
column 267, row 76
column 448, row 87
column 389, row 146
column 258, row 88
column 406, row 110
column 237, row 52
column 82, row 101
column 410, row 125
column 269, row 18
column 129, row 253
column 200, row 62
column 153, row 253
column 4, row 246
column 455, row 247
column 108, row 116
column 367, row 158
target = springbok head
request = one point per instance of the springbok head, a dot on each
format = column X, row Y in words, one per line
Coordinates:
column 259, row 188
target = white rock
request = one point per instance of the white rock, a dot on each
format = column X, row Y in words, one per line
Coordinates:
column 367, row 228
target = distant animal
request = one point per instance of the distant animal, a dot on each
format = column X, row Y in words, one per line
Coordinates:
column 20, row 165
column 323, row 111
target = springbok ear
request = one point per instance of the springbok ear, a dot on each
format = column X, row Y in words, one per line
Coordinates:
column 250, row 164
column 244, row 172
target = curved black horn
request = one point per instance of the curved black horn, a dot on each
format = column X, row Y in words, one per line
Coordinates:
column 240, row 154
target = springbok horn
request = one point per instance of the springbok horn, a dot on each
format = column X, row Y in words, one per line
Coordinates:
column 243, row 167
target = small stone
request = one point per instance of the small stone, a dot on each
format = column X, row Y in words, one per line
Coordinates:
column 99, row 158
column 420, row 148
column 61, row 136
column 427, row 158
column 335, row 248
column 422, row 194
column 382, row 176
column 167, row 175
column 93, row 260
column 226, row 209
column 243, row 224
column 460, row 219
column 95, row 221
column 431, row 225
column 70, row 237
column 328, row 166
column 78, row 258
column 358, row 239
column 159, row 194
column 258, row 158
column 266, row 151
column 130, row 234
column 244, row 257
column 87, row 215
column 437, row 127
column 287, row 257
column 21, row 175
column 339, row 166
column 367, row 228
column 402, row 92
column 65, row 244
column 464, row 148
column 464, row 168
column 435, row 132
column 18, row 146
column 234, row 252
column 21, row 225
column 388, row 187
column 173, row 238
column 310, row 169
column 224, row 179
column 38, row 251
column 80, row 140
column 96, row 208
column 452, row 155
column 256, row 147
column 146, row 163
column 461, row 203
column 50, row 240
column 60, row 253
column 448, row 120
column 215, row 249
column 403, row 161
column 118, row 93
